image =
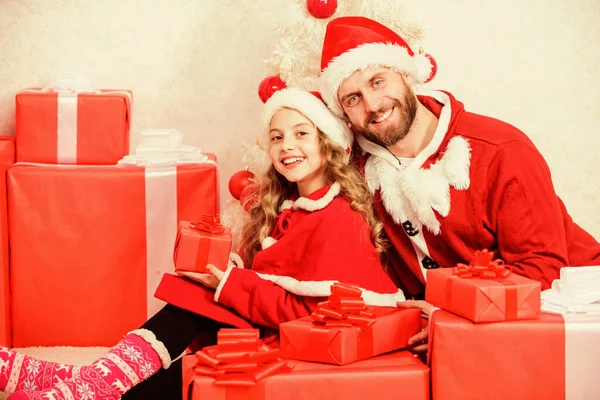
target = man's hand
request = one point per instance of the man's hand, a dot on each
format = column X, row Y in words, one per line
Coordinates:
column 419, row 341
column 210, row 280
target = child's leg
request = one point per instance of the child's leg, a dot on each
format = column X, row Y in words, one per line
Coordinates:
column 18, row 371
column 133, row 360
column 165, row 384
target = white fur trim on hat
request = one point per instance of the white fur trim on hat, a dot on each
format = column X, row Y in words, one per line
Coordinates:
column 394, row 56
column 312, row 108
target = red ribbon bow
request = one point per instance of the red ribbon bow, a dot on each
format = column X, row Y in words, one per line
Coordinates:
column 345, row 307
column 208, row 224
column 239, row 358
column 482, row 266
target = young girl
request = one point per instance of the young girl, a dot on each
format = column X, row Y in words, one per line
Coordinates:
column 313, row 226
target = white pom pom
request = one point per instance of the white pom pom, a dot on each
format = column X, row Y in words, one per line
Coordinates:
column 423, row 67
column 268, row 242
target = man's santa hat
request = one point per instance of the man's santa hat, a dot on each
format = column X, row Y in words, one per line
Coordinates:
column 356, row 43
column 312, row 107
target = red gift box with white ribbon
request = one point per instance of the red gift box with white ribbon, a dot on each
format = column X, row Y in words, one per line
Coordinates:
column 73, row 126
column 553, row 357
column 89, row 245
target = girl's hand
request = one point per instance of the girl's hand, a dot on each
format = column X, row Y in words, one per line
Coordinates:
column 235, row 261
column 210, row 280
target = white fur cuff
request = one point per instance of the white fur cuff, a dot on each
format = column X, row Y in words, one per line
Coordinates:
column 156, row 344
column 222, row 283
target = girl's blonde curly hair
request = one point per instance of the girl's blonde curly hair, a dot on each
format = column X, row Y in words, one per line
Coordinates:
column 274, row 189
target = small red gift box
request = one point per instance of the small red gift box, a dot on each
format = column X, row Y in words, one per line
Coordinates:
column 66, row 127
column 201, row 243
column 484, row 291
column 398, row 375
column 555, row 357
column 343, row 330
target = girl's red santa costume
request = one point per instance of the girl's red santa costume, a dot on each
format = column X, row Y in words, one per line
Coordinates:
column 324, row 241
column 479, row 184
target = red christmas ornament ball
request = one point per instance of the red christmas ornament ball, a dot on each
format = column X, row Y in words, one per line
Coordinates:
column 268, row 86
column 321, row 8
column 239, row 181
column 434, row 67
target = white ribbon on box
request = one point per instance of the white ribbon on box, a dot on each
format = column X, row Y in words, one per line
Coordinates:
column 69, row 86
column 161, row 229
column 160, row 152
column 582, row 357
column 576, row 295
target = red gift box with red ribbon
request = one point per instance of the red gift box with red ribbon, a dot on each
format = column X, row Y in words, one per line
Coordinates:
column 484, row 291
column 201, row 243
column 241, row 367
column 343, row 330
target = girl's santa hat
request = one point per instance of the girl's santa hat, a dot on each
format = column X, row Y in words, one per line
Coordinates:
column 357, row 43
column 312, row 107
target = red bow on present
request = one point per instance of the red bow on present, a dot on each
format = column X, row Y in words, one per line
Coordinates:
column 345, row 307
column 482, row 266
column 208, row 224
column 239, row 358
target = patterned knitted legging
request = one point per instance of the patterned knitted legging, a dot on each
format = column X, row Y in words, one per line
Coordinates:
column 176, row 329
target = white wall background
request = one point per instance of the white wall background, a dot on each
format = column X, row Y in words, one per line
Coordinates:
column 195, row 65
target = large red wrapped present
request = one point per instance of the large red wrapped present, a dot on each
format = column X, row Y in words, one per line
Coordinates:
column 554, row 357
column 89, row 245
column 484, row 291
column 69, row 127
column 394, row 376
column 343, row 330
column 200, row 243
column 7, row 158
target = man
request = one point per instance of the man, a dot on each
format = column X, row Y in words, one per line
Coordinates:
column 447, row 182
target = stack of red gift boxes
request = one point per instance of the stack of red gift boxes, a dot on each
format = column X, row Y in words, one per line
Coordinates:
column 490, row 340
column 345, row 350
column 89, row 238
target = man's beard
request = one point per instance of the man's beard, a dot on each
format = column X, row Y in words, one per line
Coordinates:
column 392, row 134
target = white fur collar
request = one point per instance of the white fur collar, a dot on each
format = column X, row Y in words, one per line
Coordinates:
column 304, row 203
column 410, row 192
